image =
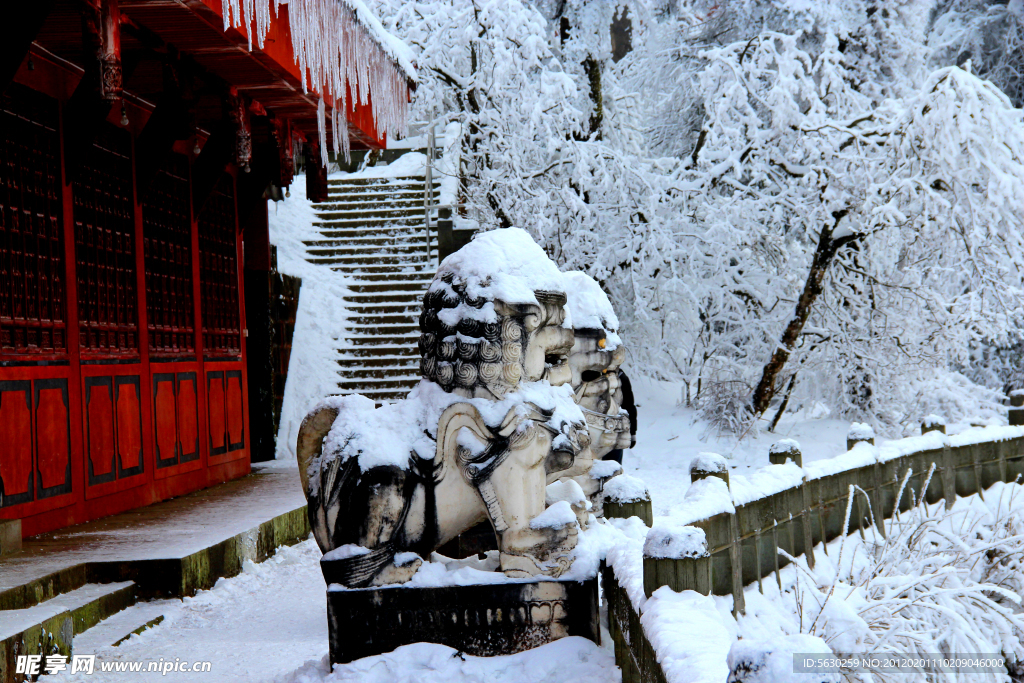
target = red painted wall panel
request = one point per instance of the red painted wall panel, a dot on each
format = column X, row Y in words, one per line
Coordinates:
column 129, row 427
column 52, row 435
column 81, row 432
column 16, row 445
column 99, row 420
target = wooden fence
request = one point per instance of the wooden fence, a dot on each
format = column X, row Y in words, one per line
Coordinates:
column 742, row 546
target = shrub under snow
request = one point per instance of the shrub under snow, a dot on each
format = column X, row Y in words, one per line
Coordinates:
column 938, row 582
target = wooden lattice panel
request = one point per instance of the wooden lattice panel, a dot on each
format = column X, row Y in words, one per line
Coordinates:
column 32, row 318
column 219, row 272
column 105, row 247
column 167, row 231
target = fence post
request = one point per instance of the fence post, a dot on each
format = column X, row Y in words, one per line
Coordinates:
column 709, row 465
column 625, row 496
column 977, row 471
column 787, row 449
column 806, row 522
column 878, row 499
column 677, row 557
column 948, row 476
column 736, row 560
column 933, row 423
column 860, row 432
column 1016, row 412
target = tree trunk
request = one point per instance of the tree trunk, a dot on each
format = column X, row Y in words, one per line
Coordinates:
column 823, row 256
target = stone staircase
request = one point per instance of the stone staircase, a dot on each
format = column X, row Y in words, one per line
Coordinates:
column 374, row 231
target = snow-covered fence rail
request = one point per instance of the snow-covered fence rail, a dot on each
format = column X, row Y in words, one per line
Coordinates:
column 808, row 505
column 728, row 538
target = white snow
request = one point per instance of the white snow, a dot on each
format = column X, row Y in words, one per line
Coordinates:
column 784, row 446
column 346, row 551
column 320, row 321
column 605, row 469
column 565, row 489
column 391, row 434
column 568, row 660
column 932, row 420
column 705, row 498
column 590, row 308
column 269, row 625
column 708, row 462
column 625, row 489
column 688, row 635
column 671, row 541
column 861, row 431
column 504, row 264
column 555, row 516
column 771, row 661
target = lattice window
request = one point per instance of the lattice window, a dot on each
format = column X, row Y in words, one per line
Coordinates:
column 219, row 272
column 32, row 318
column 105, row 247
column 167, row 232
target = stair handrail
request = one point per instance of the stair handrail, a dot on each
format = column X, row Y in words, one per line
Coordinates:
column 428, row 184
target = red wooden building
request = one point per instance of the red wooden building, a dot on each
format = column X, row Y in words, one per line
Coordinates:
column 139, row 140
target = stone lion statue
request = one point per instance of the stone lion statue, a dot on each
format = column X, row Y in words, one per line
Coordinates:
column 491, row 423
column 594, row 361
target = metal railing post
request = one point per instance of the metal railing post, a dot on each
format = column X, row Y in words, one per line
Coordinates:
column 428, row 184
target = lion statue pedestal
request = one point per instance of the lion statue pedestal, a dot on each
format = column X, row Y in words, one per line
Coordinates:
column 493, row 422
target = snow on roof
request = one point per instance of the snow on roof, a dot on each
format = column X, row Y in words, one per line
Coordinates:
column 588, row 304
column 341, row 48
column 505, row 265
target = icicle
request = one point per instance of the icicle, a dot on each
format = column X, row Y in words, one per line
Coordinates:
column 338, row 43
column 322, row 125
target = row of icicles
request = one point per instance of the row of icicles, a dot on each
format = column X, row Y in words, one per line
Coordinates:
column 333, row 48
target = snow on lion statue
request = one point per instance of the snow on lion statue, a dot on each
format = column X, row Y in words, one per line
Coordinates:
column 492, row 422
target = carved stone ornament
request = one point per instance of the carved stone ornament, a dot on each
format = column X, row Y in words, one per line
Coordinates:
column 493, row 421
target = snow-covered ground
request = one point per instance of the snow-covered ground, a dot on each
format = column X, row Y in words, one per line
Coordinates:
column 269, row 625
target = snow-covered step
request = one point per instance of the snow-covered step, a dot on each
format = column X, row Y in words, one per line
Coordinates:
column 423, row 276
column 386, row 309
column 378, row 395
column 375, row 245
column 412, row 195
column 412, row 258
column 395, row 286
column 379, row 384
column 116, row 629
column 375, row 231
column 84, row 607
column 383, row 350
column 391, row 230
column 379, row 360
column 378, row 211
column 377, row 182
column 352, row 253
column 386, row 298
column 383, row 320
column 407, row 371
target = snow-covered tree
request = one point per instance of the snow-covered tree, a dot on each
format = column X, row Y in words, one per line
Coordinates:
column 782, row 198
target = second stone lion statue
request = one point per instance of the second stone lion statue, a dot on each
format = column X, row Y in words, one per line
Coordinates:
column 492, row 422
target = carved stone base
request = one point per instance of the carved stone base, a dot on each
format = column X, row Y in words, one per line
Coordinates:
column 482, row 620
